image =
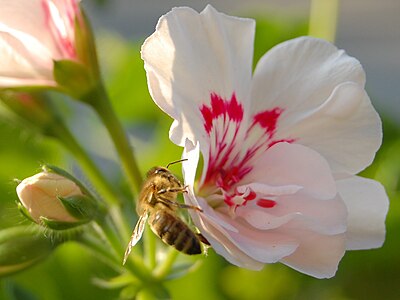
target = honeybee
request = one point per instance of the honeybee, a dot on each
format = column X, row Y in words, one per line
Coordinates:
column 157, row 204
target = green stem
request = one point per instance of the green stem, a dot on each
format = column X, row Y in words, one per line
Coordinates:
column 68, row 140
column 99, row 249
column 165, row 268
column 98, row 99
column 135, row 265
column 323, row 19
column 149, row 244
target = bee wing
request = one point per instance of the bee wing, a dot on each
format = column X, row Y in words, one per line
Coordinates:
column 136, row 235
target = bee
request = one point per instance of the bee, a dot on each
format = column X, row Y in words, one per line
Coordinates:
column 157, row 204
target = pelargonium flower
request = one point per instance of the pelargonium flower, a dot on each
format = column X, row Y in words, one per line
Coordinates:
column 34, row 34
column 280, row 147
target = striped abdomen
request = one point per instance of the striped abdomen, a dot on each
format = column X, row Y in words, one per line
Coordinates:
column 173, row 231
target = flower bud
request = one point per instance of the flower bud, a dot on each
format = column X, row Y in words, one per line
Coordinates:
column 55, row 199
column 32, row 109
column 21, row 247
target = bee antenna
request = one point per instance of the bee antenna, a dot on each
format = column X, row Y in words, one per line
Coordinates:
column 176, row 161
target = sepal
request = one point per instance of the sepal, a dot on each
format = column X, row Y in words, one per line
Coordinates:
column 85, row 44
column 22, row 209
column 61, row 225
column 82, row 207
column 73, row 77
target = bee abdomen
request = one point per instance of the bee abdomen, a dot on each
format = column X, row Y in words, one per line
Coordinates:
column 173, row 231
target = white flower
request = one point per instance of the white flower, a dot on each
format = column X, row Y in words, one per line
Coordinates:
column 34, row 34
column 280, row 147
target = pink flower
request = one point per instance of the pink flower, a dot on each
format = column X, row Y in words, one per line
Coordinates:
column 280, row 147
column 34, row 34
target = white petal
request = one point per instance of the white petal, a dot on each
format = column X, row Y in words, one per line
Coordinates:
column 269, row 189
column 298, row 211
column 260, row 219
column 189, row 167
column 299, row 76
column 290, row 164
column 28, row 16
column 24, row 59
column 220, row 239
column 240, row 244
column 268, row 246
column 322, row 216
column 345, row 129
column 318, row 255
column 368, row 204
column 192, row 55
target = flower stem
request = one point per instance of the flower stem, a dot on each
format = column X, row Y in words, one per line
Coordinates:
column 98, row 248
column 164, row 269
column 149, row 243
column 135, row 265
column 64, row 135
column 323, row 19
column 98, row 99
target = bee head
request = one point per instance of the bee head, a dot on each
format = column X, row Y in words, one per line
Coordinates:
column 157, row 171
column 161, row 171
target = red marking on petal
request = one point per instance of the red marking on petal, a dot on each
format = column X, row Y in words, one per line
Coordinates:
column 228, row 200
column 61, row 26
column 231, row 109
column 251, row 196
column 208, row 117
column 268, row 119
column 217, row 105
column 266, row 203
column 235, row 110
column 281, row 141
column 233, row 155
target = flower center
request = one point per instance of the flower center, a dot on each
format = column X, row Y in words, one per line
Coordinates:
column 235, row 145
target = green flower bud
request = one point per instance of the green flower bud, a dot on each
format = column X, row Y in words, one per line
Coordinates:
column 56, row 200
column 34, row 109
column 22, row 247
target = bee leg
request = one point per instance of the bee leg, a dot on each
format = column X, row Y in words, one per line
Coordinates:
column 173, row 190
column 177, row 204
column 203, row 239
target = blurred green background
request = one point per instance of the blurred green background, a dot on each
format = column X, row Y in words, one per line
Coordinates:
column 69, row 272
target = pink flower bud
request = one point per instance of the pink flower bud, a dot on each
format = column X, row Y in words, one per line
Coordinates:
column 40, row 194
